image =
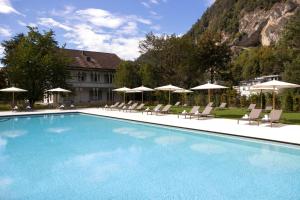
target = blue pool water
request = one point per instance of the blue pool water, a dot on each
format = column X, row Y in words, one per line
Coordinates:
column 76, row 156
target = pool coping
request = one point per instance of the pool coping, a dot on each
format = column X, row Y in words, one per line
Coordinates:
column 88, row 112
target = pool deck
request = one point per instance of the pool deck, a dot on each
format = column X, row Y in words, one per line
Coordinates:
column 279, row 132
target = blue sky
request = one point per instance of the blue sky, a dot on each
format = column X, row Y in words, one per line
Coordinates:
column 101, row 25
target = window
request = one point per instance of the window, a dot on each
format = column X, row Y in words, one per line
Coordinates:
column 81, row 76
column 95, row 94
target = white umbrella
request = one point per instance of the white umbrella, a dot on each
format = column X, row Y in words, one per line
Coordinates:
column 209, row 87
column 143, row 89
column 184, row 92
column 58, row 90
column 273, row 85
column 170, row 88
column 122, row 89
column 13, row 90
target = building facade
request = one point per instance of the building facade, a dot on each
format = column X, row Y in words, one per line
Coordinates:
column 91, row 76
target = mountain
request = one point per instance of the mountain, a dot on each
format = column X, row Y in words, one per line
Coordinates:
column 246, row 23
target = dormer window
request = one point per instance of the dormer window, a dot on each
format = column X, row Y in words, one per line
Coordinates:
column 88, row 59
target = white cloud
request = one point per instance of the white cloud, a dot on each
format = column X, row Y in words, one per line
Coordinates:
column 67, row 10
column 49, row 22
column 6, row 7
column 101, row 18
column 148, row 3
column 145, row 4
column 99, row 30
column 5, row 32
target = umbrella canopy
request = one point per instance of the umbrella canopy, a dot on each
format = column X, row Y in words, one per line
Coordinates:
column 143, row 89
column 273, row 85
column 133, row 91
column 170, row 88
column 58, row 90
column 183, row 91
column 124, row 90
column 276, row 84
column 13, row 90
column 208, row 86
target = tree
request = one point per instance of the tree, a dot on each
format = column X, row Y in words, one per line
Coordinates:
column 213, row 55
column 35, row 62
column 127, row 74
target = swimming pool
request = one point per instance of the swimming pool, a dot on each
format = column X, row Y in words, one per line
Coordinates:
column 77, row 156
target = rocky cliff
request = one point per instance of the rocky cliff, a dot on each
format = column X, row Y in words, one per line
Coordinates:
column 244, row 23
column 265, row 26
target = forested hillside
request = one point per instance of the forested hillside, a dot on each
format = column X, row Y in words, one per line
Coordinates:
column 246, row 22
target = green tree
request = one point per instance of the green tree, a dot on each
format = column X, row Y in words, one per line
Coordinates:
column 35, row 62
column 213, row 56
column 127, row 74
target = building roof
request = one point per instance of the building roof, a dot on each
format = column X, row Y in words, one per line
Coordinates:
column 92, row 59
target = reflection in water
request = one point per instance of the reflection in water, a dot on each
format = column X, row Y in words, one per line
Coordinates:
column 5, row 182
column 134, row 132
column 13, row 133
column 58, row 130
column 169, row 140
column 3, row 143
column 99, row 166
column 275, row 161
column 207, row 148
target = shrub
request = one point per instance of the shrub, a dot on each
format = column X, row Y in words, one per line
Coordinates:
column 288, row 102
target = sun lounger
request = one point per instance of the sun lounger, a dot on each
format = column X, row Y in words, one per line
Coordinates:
column 61, row 107
column 120, row 106
column 268, row 108
column 205, row 113
column 210, row 104
column 28, row 108
column 177, row 103
column 15, row 108
column 140, row 107
column 130, row 108
column 72, row 106
column 156, row 109
column 251, row 106
column 111, row 106
column 165, row 109
column 273, row 117
column 253, row 116
column 130, row 102
column 192, row 112
column 222, row 106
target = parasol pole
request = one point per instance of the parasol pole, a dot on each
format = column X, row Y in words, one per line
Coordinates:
column 13, row 98
column 273, row 97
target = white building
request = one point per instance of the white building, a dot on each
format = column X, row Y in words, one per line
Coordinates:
column 92, row 75
column 244, row 87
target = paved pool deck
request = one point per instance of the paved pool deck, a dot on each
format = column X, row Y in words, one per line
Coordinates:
column 278, row 133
